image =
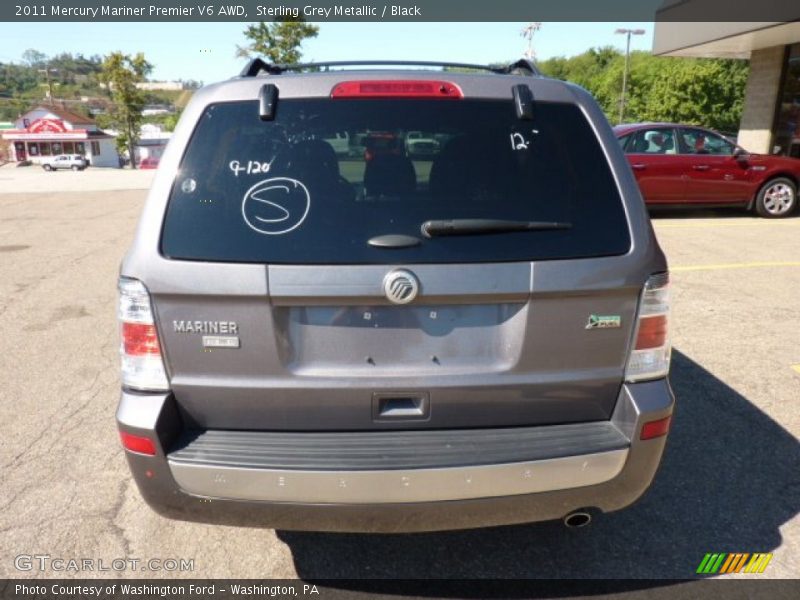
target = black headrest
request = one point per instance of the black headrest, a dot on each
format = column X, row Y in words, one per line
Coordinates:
column 315, row 158
column 390, row 175
column 640, row 144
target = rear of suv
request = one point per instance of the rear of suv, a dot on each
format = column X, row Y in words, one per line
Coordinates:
column 381, row 342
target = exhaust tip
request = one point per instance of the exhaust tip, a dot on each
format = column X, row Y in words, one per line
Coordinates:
column 577, row 519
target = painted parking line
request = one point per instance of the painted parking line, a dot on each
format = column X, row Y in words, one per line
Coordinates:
column 723, row 223
column 744, row 265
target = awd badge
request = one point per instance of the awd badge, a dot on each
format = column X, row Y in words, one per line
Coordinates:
column 603, row 321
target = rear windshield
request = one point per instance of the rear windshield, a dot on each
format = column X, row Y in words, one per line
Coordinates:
column 314, row 185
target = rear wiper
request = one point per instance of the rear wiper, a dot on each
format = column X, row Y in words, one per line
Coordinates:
column 485, row 226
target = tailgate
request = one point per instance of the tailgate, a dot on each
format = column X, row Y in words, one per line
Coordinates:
column 482, row 345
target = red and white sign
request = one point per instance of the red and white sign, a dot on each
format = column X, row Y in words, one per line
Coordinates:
column 24, row 134
column 47, row 126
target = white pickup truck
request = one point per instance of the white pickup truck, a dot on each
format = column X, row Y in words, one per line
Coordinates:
column 420, row 144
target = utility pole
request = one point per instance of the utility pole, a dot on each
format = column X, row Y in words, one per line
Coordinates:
column 46, row 72
column 629, row 33
column 527, row 32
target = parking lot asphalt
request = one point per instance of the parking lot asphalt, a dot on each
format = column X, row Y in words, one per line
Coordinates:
column 729, row 481
column 33, row 179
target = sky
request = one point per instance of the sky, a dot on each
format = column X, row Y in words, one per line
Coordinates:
column 206, row 51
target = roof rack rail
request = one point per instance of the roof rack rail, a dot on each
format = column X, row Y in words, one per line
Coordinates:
column 257, row 65
column 523, row 64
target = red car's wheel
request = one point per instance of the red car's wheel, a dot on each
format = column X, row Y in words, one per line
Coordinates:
column 777, row 198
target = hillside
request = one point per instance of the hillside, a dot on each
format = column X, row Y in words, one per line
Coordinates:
column 75, row 83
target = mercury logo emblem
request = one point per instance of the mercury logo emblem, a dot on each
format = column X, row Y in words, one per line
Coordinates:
column 400, row 287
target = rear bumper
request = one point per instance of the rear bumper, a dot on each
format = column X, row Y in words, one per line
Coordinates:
column 559, row 474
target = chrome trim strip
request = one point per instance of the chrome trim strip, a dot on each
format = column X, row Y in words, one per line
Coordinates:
column 398, row 486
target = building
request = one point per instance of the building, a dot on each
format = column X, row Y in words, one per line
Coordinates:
column 152, row 142
column 49, row 130
column 170, row 86
column 4, row 146
column 771, row 117
column 152, row 110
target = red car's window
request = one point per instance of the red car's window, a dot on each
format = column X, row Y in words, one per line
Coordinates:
column 653, row 141
column 697, row 141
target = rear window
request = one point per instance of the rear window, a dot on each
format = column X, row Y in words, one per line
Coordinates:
column 317, row 183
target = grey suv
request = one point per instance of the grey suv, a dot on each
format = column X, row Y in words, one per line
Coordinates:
column 377, row 342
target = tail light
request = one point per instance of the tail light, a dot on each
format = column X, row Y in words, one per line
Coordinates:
column 655, row 429
column 397, row 89
column 137, row 443
column 649, row 358
column 142, row 364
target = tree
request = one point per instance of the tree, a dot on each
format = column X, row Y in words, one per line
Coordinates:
column 171, row 121
column 699, row 91
column 277, row 42
column 121, row 73
column 33, row 58
column 695, row 91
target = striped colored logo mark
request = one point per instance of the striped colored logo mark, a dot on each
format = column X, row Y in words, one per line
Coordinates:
column 724, row 563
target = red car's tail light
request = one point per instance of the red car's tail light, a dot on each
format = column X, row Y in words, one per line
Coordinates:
column 397, row 89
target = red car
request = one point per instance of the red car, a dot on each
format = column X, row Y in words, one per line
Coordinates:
column 685, row 165
column 379, row 143
column 149, row 163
